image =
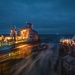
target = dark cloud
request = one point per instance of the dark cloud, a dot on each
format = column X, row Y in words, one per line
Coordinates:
column 48, row 16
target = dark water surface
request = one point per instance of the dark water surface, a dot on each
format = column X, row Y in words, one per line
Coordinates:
column 36, row 63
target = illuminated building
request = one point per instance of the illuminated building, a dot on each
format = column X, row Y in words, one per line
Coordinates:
column 26, row 34
column 29, row 33
column 13, row 33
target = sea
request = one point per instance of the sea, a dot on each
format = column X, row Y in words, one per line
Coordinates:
column 55, row 38
column 37, row 63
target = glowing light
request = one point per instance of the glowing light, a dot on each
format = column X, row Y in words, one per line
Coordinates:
column 21, row 46
column 24, row 30
column 8, row 38
column 67, row 41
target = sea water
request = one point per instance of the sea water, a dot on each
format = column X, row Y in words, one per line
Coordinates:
column 38, row 63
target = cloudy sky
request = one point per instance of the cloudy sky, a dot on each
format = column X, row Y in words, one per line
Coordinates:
column 47, row 16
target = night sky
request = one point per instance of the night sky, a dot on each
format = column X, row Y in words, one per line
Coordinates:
column 47, row 16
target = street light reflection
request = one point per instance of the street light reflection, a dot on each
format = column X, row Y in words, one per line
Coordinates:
column 9, row 59
column 21, row 46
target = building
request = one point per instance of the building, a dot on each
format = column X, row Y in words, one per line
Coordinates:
column 13, row 33
column 29, row 33
column 26, row 33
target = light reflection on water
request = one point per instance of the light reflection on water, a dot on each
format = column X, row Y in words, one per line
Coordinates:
column 38, row 63
column 9, row 59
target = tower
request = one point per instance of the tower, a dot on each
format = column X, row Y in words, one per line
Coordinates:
column 13, row 33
